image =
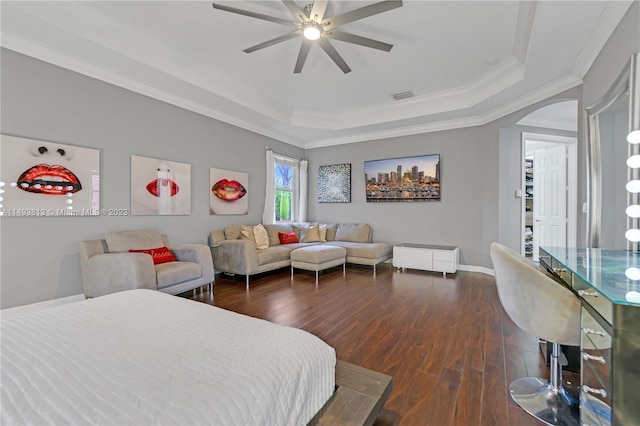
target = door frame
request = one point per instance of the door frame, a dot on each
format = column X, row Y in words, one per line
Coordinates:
column 572, row 181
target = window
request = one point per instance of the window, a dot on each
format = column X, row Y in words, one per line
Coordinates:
column 285, row 182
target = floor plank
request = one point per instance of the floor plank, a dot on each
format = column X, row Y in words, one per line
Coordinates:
column 447, row 342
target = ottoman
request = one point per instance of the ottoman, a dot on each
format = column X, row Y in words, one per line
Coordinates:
column 318, row 258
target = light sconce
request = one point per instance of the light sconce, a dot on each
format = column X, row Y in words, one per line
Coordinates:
column 633, row 161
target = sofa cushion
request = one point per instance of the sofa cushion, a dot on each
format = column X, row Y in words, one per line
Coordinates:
column 331, row 231
column 171, row 273
column 158, row 255
column 232, row 232
column 272, row 232
column 365, row 250
column 307, row 232
column 123, row 241
column 216, row 237
column 318, row 254
column 353, row 232
column 246, row 233
column 273, row 254
column 261, row 237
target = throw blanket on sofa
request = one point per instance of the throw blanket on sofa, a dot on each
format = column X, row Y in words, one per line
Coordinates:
column 145, row 357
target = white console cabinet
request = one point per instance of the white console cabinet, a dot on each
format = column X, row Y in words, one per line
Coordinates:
column 426, row 257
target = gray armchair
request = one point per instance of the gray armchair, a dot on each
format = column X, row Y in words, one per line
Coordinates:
column 108, row 266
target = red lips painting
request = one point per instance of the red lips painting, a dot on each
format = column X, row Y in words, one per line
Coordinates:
column 50, row 180
column 229, row 194
column 155, row 186
column 160, row 187
column 228, row 190
column 44, row 178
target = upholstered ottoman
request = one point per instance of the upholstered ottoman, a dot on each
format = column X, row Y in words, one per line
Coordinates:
column 318, row 258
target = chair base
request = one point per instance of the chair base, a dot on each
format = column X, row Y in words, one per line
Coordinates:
column 551, row 406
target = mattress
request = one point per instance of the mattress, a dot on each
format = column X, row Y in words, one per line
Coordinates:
column 145, row 357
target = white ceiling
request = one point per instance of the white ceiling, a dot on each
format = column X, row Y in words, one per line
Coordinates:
column 188, row 54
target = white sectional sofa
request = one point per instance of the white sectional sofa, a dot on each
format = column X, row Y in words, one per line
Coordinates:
column 236, row 250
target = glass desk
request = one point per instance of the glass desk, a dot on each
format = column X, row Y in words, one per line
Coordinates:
column 608, row 285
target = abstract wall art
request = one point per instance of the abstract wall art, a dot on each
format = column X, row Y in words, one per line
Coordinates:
column 334, row 183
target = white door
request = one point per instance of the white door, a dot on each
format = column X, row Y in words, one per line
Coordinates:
column 550, row 198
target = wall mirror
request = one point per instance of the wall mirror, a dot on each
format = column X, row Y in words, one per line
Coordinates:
column 613, row 155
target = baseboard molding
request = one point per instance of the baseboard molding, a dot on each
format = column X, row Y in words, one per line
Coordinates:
column 472, row 268
column 34, row 307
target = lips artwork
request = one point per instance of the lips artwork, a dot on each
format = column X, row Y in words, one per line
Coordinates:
column 49, row 180
column 155, row 187
column 228, row 190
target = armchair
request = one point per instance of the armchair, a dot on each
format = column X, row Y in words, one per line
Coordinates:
column 108, row 266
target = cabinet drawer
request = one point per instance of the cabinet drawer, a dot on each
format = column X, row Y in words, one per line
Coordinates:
column 598, row 302
column 447, row 256
column 413, row 258
column 595, row 366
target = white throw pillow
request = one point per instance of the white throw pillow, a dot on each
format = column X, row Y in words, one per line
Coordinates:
column 261, row 237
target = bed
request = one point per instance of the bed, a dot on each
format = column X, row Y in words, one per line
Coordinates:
column 145, row 357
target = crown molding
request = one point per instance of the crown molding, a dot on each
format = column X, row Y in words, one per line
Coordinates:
column 608, row 22
column 508, row 74
column 531, row 98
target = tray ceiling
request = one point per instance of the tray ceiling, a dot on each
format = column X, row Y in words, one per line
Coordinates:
column 466, row 62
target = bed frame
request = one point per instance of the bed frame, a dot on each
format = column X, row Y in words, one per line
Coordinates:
column 359, row 397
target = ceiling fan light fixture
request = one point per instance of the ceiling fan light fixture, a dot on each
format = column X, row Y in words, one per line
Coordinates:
column 312, row 31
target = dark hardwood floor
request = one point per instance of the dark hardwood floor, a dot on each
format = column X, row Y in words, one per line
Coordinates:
column 449, row 346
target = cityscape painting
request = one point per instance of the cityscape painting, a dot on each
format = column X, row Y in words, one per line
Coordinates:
column 407, row 179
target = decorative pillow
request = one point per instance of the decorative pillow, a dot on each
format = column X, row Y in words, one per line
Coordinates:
column 261, row 237
column 310, row 233
column 322, row 230
column 246, row 233
column 159, row 255
column 288, row 238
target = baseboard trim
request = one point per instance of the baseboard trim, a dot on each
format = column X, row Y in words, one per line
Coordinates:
column 472, row 268
column 34, row 307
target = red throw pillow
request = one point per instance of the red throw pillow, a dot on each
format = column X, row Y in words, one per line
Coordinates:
column 159, row 255
column 288, row 238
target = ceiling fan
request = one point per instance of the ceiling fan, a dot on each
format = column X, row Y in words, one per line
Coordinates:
column 311, row 24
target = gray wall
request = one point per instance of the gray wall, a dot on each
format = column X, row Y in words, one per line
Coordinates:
column 40, row 258
column 465, row 216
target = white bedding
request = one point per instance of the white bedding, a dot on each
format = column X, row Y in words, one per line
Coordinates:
column 144, row 357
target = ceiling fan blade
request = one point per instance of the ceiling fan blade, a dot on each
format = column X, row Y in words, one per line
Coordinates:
column 318, row 9
column 272, row 42
column 363, row 12
column 362, row 41
column 302, row 56
column 253, row 14
column 296, row 11
column 333, row 54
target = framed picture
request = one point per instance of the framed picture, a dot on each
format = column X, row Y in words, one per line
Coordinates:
column 160, row 187
column 228, row 192
column 334, row 183
column 39, row 178
column 407, row 179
